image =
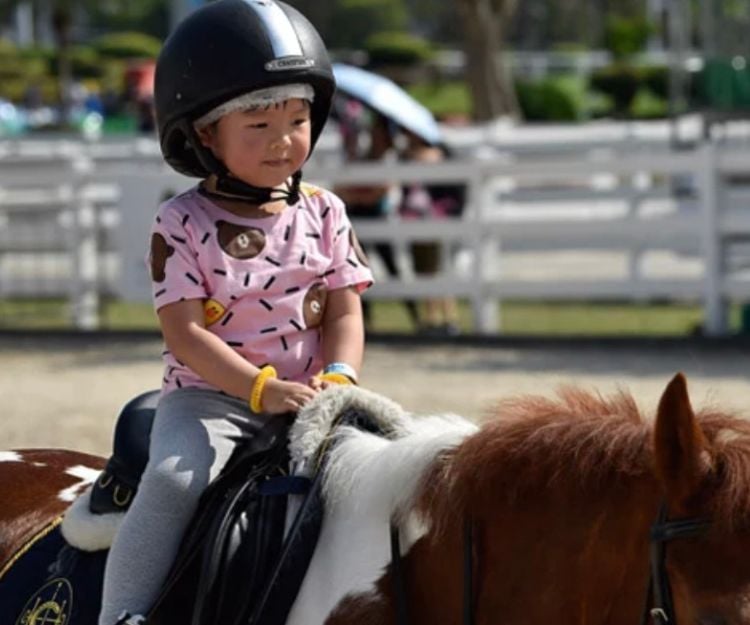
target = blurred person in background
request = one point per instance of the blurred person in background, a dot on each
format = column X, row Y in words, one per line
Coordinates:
column 356, row 122
column 439, row 316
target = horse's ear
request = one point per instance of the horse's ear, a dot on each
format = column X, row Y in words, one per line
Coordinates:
column 679, row 445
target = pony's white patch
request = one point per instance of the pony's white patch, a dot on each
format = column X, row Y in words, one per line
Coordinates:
column 86, row 476
column 10, row 456
column 370, row 481
column 39, row 464
column 88, row 531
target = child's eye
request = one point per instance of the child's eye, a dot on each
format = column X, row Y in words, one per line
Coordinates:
column 258, row 125
column 301, row 121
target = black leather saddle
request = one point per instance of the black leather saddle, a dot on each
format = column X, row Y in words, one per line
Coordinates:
column 235, row 563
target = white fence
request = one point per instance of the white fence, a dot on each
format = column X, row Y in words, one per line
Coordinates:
column 622, row 221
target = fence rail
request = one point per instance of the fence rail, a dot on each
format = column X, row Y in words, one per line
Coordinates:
column 593, row 224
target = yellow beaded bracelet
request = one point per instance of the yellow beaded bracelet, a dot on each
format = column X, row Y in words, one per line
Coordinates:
column 336, row 378
column 259, row 384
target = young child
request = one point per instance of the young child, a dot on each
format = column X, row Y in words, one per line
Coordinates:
column 256, row 277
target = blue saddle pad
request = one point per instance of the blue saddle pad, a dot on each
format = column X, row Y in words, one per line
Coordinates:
column 51, row 583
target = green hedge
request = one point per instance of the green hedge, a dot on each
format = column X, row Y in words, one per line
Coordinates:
column 623, row 83
column 397, row 48
column 557, row 98
column 127, row 45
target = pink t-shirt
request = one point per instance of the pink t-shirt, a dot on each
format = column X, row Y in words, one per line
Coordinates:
column 264, row 281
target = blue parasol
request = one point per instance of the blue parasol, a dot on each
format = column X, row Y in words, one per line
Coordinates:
column 388, row 99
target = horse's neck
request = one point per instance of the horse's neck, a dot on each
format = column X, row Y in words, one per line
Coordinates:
column 584, row 556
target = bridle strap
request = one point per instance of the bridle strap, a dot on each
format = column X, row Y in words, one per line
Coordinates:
column 468, row 572
column 399, row 580
column 659, row 608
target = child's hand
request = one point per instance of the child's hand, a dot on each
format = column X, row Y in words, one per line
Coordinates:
column 316, row 383
column 280, row 396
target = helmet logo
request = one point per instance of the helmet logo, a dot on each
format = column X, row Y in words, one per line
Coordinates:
column 280, row 65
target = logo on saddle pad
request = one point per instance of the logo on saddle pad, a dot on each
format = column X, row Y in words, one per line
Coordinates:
column 50, row 605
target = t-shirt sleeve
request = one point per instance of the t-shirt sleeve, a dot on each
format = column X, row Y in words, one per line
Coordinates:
column 349, row 264
column 172, row 262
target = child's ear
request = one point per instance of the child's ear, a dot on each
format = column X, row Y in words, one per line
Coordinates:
column 206, row 135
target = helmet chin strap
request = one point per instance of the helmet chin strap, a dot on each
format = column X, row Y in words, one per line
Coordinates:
column 229, row 187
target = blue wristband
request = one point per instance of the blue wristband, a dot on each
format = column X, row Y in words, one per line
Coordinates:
column 343, row 369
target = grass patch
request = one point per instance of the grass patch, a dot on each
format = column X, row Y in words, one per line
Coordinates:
column 517, row 317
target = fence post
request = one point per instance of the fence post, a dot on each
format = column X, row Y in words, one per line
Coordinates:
column 84, row 297
column 486, row 309
column 714, row 302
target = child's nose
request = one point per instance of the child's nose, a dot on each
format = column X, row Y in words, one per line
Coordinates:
column 281, row 142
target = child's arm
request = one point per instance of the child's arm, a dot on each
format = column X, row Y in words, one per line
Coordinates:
column 182, row 324
column 343, row 328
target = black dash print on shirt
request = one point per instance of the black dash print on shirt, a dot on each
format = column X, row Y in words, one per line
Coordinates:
column 303, row 258
column 206, row 237
column 325, row 212
column 235, row 343
column 192, row 278
column 313, row 235
column 327, row 273
column 267, row 330
column 309, row 363
column 284, row 344
column 233, row 298
column 273, row 261
column 294, row 289
column 226, row 319
column 160, row 293
column 351, row 262
column 287, row 233
column 268, row 284
column 296, row 325
column 171, row 370
column 158, row 219
column 247, row 279
column 220, row 272
column 165, row 380
column 178, row 239
column 185, row 219
column 179, row 382
column 340, row 231
column 165, row 352
column 266, row 305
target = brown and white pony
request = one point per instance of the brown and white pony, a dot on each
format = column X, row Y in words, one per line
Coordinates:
column 562, row 495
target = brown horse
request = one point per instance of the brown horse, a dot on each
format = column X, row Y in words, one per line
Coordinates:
column 578, row 506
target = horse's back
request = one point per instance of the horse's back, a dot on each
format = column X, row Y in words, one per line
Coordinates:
column 36, row 487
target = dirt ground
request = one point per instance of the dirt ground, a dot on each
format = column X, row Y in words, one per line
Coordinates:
column 67, row 392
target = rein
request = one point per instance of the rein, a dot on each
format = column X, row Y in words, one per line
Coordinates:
column 658, row 607
column 399, row 581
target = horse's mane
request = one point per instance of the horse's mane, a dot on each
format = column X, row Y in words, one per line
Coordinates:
column 578, row 442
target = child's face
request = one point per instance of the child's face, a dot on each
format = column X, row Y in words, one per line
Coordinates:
column 262, row 147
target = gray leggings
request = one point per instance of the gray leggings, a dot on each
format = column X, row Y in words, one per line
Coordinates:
column 193, row 436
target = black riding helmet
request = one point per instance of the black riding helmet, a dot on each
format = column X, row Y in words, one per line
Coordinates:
column 223, row 50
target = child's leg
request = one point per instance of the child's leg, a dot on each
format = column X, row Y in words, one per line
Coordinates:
column 191, row 441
